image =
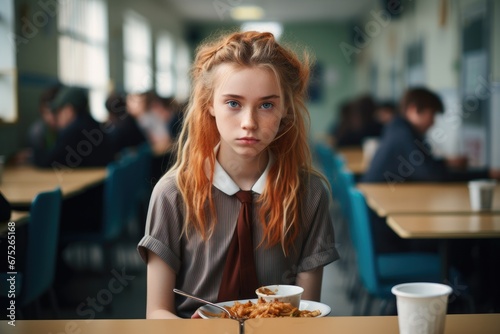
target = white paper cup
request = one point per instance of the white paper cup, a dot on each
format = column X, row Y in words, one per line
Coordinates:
column 481, row 194
column 421, row 307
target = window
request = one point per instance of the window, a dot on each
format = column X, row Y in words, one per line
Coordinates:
column 8, row 84
column 137, row 53
column 165, row 77
column 83, row 49
column 182, row 78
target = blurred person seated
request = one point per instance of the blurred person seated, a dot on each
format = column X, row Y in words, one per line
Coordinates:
column 385, row 111
column 122, row 128
column 81, row 141
column 168, row 110
column 403, row 153
column 160, row 120
column 42, row 134
column 170, row 113
column 356, row 123
column 151, row 124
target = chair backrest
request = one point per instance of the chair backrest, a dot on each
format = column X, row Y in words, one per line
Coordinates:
column 363, row 240
column 325, row 156
column 43, row 237
column 146, row 157
column 115, row 199
column 144, row 162
column 137, row 163
column 345, row 181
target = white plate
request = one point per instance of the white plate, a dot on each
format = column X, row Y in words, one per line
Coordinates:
column 308, row 305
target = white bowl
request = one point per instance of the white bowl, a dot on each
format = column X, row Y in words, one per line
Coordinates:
column 281, row 293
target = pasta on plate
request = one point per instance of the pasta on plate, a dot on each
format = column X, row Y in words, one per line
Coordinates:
column 263, row 309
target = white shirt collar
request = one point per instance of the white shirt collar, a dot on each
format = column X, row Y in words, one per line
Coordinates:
column 224, row 183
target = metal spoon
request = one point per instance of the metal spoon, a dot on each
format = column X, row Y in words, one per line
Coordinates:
column 185, row 294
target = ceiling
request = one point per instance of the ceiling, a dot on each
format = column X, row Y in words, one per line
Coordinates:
column 276, row 10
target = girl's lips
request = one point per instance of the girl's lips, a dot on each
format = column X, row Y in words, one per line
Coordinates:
column 248, row 140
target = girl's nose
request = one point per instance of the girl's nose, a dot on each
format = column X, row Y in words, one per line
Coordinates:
column 248, row 119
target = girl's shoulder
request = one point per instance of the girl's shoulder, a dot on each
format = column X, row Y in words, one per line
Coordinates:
column 166, row 188
column 315, row 184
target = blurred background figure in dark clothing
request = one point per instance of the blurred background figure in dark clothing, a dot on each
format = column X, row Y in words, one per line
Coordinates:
column 404, row 154
column 81, row 141
column 160, row 120
column 42, row 134
column 122, row 128
column 169, row 112
column 356, row 122
column 385, row 112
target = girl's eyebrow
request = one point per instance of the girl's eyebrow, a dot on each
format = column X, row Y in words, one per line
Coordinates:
column 235, row 96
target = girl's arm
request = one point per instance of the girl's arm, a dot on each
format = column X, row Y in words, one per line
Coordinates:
column 311, row 282
column 160, row 283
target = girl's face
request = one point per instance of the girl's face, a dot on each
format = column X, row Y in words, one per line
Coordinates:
column 247, row 106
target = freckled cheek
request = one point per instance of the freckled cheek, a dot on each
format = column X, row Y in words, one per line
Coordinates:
column 270, row 130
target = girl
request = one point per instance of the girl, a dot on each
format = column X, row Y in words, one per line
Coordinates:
column 245, row 129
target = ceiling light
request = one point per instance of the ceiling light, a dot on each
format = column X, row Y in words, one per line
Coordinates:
column 244, row 13
column 273, row 27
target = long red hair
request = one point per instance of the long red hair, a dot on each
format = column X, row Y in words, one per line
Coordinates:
column 280, row 202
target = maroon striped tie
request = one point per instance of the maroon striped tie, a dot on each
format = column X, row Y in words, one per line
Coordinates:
column 239, row 278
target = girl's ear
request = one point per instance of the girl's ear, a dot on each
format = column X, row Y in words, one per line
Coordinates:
column 211, row 110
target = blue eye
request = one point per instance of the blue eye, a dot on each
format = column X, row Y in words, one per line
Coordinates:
column 267, row 105
column 232, row 104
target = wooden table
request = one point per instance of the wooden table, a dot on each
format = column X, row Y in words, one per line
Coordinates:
column 445, row 226
column 20, row 185
column 354, row 159
column 421, row 198
column 455, row 324
column 433, row 211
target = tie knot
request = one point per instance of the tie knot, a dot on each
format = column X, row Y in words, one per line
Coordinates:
column 244, row 196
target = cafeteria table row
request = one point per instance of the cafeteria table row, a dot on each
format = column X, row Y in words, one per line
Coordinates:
column 455, row 324
column 421, row 198
column 439, row 211
column 21, row 184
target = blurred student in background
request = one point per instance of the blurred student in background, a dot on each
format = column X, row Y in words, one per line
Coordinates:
column 122, row 128
column 160, row 120
column 404, row 154
column 385, row 111
column 356, row 122
column 42, row 134
column 81, row 141
column 139, row 106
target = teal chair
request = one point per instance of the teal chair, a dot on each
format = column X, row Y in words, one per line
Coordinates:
column 115, row 209
column 41, row 254
column 139, row 184
column 345, row 181
column 330, row 165
column 379, row 272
